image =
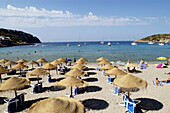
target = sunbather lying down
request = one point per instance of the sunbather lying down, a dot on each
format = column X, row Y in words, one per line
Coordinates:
column 158, row 82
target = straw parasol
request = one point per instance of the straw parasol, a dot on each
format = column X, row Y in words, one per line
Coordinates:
column 76, row 72
column 78, row 66
column 82, row 59
column 14, row 83
column 70, row 82
column 56, row 62
column 22, row 61
column 61, row 59
column 3, row 60
column 115, row 71
column 104, row 62
column 48, row 66
column 57, row 105
column 32, row 62
column 3, row 71
column 41, row 60
column 108, row 66
column 9, row 63
column 101, row 59
column 130, row 82
column 37, row 72
column 19, row 66
column 80, row 62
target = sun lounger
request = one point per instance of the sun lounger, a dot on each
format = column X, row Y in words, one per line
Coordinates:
column 37, row 88
column 49, row 78
column 103, row 73
column 75, row 91
column 154, row 83
column 98, row 68
column 166, row 82
column 116, row 90
column 109, row 79
column 12, row 105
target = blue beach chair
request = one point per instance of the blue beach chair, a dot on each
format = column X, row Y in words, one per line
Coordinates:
column 109, row 79
column 103, row 73
column 116, row 90
column 12, row 105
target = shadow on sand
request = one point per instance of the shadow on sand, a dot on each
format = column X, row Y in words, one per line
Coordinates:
column 95, row 104
column 90, row 79
column 149, row 104
column 93, row 88
column 28, row 104
column 57, row 80
column 56, row 88
column 2, row 100
column 35, row 79
column 92, row 73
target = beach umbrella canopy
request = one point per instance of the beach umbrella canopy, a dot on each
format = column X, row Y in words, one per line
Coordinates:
column 37, row 72
column 57, row 105
column 48, row 66
column 132, row 65
column 108, row 67
column 115, row 71
column 161, row 58
column 3, row 71
column 22, row 61
column 78, row 66
column 82, row 59
column 3, row 60
column 61, row 59
column 76, row 72
column 14, row 83
column 80, row 62
column 69, row 60
column 70, row 82
column 9, row 63
column 103, row 62
column 19, row 66
column 32, row 62
column 130, row 82
column 56, row 62
column 101, row 59
column 41, row 60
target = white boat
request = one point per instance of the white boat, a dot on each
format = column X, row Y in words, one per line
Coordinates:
column 134, row 43
column 161, row 44
column 150, row 42
column 85, row 43
column 79, row 44
column 102, row 42
column 68, row 44
column 109, row 44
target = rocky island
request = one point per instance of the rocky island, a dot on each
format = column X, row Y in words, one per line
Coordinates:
column 164, row 38
column 10, row 37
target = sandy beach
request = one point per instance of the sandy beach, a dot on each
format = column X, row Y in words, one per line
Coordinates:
column 99, row 98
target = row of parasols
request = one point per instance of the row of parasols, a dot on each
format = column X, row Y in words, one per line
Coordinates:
column 15, row 83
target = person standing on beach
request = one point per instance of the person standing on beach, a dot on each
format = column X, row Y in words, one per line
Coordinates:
column 74, row 60
column 66, row 61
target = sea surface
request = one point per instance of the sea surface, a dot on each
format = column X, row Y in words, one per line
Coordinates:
column 93, row 50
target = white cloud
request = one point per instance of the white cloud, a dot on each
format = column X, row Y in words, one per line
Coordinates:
column 33, row 17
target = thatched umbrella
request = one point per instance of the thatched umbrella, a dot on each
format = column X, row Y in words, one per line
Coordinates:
column 14, row 83
column 107, row 67
column 41, row 60
column 9, row 63
column 22, row 61
column 61, row 59
column 32, row 62
column 104, row 62
column 80, row 62
column 70, row 82
column 56, row 62
column 19, row 66
column 3, row 60
column 82, row 59
column 101, row 59
column 115, row 71
column 78, row 66
column 57, row 105
column 3, row 71
column 37, row 72
column 48, row 66
column 130, row 82
column 76, row 72
column 132, row 65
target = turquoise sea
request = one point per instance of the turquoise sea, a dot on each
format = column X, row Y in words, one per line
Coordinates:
column 93, row 50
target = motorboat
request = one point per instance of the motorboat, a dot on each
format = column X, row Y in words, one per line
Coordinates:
column 102, row 42
column 161, row 44
column 79, row 44
column 68, row 44
column 133, row 43
column 109, row 44
column 150, row 42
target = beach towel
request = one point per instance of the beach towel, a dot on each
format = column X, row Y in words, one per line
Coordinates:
column 159, row 66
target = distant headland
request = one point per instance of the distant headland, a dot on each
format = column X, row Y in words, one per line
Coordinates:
column 165, row 38
column 10, row 37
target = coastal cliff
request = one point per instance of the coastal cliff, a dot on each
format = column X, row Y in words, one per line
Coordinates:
column 156, row 38
column 16, row 38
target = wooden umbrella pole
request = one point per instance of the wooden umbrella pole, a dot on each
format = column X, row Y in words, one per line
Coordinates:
column 38, row 78
column 0, row 78
column 15, row 92
column 71, row 92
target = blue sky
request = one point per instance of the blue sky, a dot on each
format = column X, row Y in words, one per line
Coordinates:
column 94, row 20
